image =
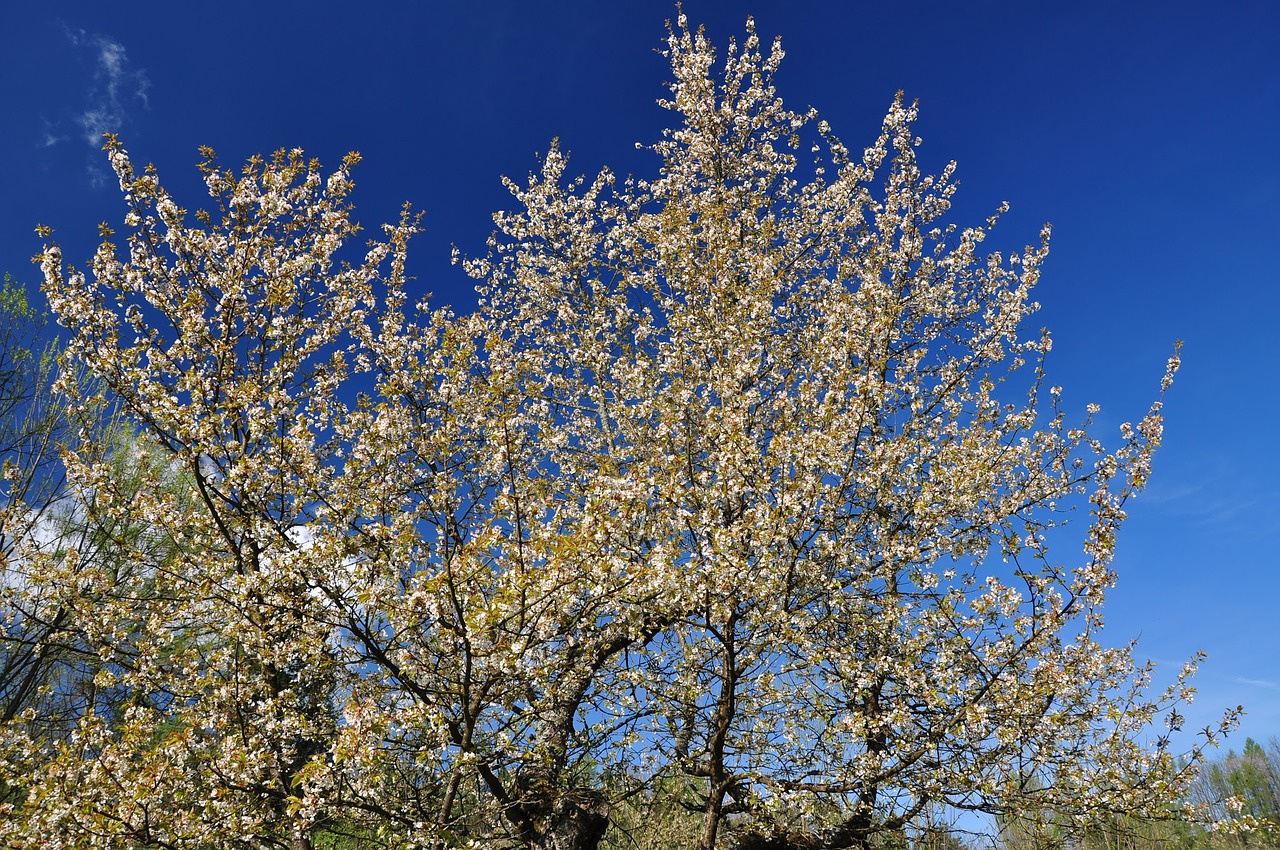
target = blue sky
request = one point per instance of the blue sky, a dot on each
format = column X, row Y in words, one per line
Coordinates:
column 1148, row 133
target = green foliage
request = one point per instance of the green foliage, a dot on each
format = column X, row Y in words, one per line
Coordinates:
column 1238, row 792
column 1243, row 790
column 657, row 818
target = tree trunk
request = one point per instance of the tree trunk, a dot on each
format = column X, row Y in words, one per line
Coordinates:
column 301, row 839
column 576, row 820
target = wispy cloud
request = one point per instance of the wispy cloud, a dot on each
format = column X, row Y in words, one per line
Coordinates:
column 1225, row 500
column 51, row 135
column 1257, row 683
column 115, row 86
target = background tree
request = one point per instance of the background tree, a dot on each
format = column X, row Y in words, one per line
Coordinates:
column 741, row 494
column 1243, row 790
column 32, row 425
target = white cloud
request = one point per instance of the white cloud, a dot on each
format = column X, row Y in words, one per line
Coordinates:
column 115, row 86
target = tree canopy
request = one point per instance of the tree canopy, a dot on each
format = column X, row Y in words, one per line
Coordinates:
column 744, row 487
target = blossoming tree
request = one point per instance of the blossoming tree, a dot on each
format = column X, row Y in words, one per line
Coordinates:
column 742, row 484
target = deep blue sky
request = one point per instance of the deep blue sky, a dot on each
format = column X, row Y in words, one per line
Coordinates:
column 1147, row 132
